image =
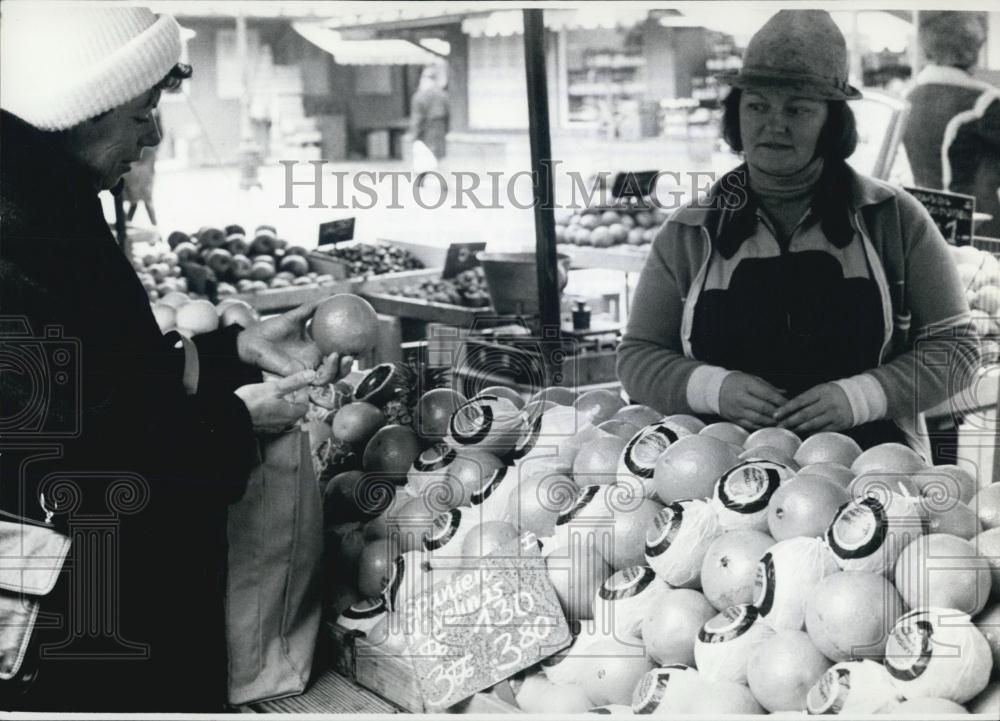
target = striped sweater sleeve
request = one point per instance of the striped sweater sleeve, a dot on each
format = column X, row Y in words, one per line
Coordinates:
column 651, row 363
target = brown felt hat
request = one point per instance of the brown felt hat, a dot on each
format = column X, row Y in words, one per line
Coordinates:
column 803, row 49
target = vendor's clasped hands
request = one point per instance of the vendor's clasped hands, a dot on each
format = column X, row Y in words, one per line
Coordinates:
column 821, row 408
column 754, row 403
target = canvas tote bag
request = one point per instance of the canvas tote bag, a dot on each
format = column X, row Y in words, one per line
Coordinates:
column 273, row 598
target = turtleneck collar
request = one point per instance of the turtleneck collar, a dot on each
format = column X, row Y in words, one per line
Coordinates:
column 731, row 214
column 771, row 188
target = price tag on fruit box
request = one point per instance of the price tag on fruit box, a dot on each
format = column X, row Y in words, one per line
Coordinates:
column 951, row 212
column 484, row 624
column 336, row 231
column 461, row 257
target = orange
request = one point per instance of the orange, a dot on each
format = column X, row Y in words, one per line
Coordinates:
column 345, row 323
column 783, row 669
column 828, row 448
column 196, row 317
column 769, row 453
column 639, row 415
column 619, row 428
column 577, row 572
column 730, row 567
column 986, row 503
column 504, row 392
column 633, row 517
column 166, row 316
column 374, row 566
column 434, row 410
column 851, row 613
column 781, row 438
column 410, row 522
column 841, row 475
column 726, row 431
column 888, row 457
column 695, row 425
column 557, row 394
column 597, row 461
column 175, row 299
column 690, row 467
column 943, row 571
column 357, row 422
column 671, row 625
column 487, row 537
column 804, row 507
column 391, row 450
column 598, row 406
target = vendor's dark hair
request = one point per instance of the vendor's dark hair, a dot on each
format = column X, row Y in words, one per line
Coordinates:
column 837, row 141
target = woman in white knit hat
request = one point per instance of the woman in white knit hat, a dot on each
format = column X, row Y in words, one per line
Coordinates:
column 141, row 438
column 799, row 293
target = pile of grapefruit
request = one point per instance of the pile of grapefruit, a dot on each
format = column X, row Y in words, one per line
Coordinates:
column 709, row 570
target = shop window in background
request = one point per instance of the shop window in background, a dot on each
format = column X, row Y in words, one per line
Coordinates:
column 497, row 88
column 605, row 80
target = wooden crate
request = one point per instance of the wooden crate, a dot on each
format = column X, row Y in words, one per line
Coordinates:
column 274, row 300
column 430, row 256
column 376, row 290
column 393, row 678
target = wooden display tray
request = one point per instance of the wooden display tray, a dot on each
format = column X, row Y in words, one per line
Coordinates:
column 393, row 678
column 626, row 258
column 430, row 256
column 376, row 288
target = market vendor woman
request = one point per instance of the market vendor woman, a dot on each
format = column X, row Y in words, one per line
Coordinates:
column 799, row 293
column 126, row 441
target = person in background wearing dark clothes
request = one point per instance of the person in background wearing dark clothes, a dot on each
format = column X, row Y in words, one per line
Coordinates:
column 148, row 437
column 952, row 135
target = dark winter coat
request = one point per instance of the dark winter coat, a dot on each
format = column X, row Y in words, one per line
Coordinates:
column 137, row 471
column 952, row 138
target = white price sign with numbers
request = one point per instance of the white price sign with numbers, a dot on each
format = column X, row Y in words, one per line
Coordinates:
column 484, row 624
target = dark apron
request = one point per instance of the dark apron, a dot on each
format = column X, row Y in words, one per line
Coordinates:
column 795, row 321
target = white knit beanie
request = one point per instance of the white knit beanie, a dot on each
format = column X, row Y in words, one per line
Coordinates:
column 61, row 65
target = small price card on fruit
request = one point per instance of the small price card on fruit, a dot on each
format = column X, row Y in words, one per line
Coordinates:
column 484, row 624
column 951, row 212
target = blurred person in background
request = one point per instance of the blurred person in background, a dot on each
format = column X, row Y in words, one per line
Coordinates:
column 429, row 122
column 952, row 134
column 165, row 427
column 800, row 293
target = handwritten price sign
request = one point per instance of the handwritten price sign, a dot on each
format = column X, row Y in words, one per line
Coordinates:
column 951, row 212
column 485, row 624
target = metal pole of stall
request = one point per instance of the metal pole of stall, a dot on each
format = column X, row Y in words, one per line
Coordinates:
column 541, row 157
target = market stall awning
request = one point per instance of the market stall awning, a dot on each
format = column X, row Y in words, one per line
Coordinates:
column 365, row 52
column 502, row 23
